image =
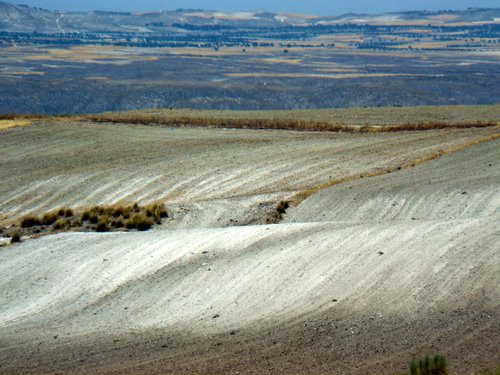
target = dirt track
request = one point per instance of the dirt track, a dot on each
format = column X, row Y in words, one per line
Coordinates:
column 350, row 283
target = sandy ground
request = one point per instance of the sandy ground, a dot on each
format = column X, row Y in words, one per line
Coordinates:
column 360, row 277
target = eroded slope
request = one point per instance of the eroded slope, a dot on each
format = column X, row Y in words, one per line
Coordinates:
column 353, row 290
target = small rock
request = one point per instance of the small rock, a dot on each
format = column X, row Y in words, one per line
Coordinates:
column 380, row 253
column 215, row 316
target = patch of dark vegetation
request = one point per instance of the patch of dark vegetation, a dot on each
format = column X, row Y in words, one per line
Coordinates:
column 436, row 365
column 30, row 221
column 276, row 216
column 96, row 219
column 16, row 237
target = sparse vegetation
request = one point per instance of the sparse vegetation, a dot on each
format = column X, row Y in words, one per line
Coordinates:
column 139, row 221
column 354, row 120
column 277, row 215
column 30, row 221
column 436, row 365
column 490, row 372
column 98, row 219
column 16, row 237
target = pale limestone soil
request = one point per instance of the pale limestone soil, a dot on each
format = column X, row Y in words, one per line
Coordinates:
column 362, row 292
column 49, row 165
column 459, row 186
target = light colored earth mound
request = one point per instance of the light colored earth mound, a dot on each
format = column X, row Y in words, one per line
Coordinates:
column 207, row 173
column 121, row 282
column 457, row 186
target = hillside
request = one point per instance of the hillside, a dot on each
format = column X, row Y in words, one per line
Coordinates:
column 21, row 18
column 398, row 259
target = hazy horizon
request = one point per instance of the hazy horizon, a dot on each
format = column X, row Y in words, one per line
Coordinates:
column 319, row 7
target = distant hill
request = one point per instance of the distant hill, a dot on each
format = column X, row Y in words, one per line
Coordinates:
column 22, row 18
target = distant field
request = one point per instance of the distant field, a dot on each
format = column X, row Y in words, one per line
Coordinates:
column 57, row 80
column 350, row 119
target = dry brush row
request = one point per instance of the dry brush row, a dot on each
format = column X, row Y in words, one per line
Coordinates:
column 278, row 124
column 98, row 219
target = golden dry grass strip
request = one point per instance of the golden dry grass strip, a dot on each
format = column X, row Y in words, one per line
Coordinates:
column 9, row 124
column 352, row 120
column 282, row 124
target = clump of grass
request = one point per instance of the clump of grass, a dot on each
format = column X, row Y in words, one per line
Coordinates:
column 139, row 221
column 98, row 218
column 156, row 212
column 102, row 227
column 49, row 218
column 16, row 237
column 59, row 224
column 437, row 365
column 276, row 216
column 30, row 221
column 282, row 207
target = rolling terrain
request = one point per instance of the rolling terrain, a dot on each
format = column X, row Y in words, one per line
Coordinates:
column 397, row 259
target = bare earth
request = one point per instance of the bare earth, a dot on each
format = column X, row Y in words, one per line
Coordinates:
column 358, row 279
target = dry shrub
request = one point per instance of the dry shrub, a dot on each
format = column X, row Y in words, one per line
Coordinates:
column 276, row 216
column 49, row 218
column 139, row 221
column 102, row 226
column 157, row 212
column 98, row 218
column 16, row 237
column 282, row 207
column 30, row 221
column 59, row 224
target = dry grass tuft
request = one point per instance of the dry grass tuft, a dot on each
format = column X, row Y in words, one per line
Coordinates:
column 16, row 237
column 139, row 221
column 276, row 216
column 98, row 219
column 30, row 221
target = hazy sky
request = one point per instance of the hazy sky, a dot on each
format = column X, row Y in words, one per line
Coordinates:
column 321, row 7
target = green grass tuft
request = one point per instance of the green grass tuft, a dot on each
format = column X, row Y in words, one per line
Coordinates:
column 437, row 365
